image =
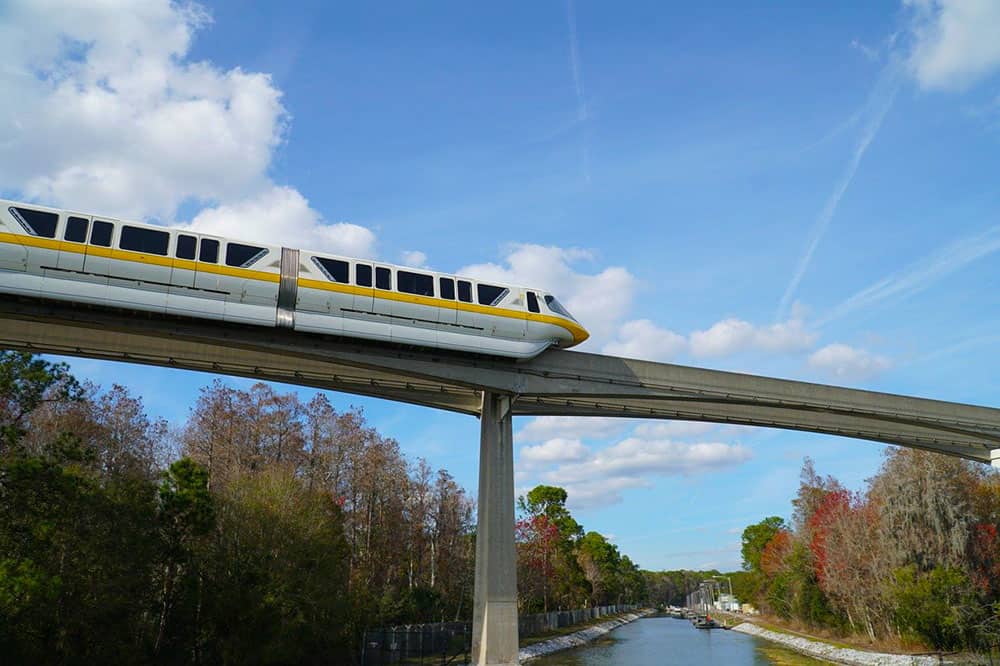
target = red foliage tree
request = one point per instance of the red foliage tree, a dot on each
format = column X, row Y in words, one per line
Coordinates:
column 537, row 538
column 777, row 549
column 831, row 508
column 984, row 557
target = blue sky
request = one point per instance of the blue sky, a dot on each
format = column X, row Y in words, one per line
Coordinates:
column 799, row 191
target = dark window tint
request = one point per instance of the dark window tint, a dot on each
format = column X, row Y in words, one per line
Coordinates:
column 185, row 246
column 238, row 254
column 557, row 307
column 144, row 240
column 36, row 222
column 336, row 270
column 101, row 233
column 76, row 229
column 383, row 278
column 489, row 295
column 363, row 275
column 414, row 283
column 447, row 286
column 533, row 302
column 209, row 252
column 464, row 291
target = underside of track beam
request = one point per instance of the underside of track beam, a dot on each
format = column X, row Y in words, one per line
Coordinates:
column 494, row 611
column 556, row 382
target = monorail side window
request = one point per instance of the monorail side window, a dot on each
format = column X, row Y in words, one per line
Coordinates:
column 149, row 241
column 489, row 294
column 447, row 287
column 533, row 302
column 414, row 283
column 335, row 270
column 383, row 278
column 363, row 275
column 36, row 222
column 464, row 291
column 76, row 229
column 241, row 255
column 209, row 252
column 100, row 233
column 186, row 246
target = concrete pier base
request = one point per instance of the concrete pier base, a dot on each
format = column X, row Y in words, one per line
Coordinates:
column 494, row 618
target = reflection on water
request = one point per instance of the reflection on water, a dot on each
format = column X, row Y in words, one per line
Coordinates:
column 665, row 640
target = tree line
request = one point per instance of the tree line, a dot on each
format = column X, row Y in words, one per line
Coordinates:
column 561, row 566
column 264, row 529
column 914, row 558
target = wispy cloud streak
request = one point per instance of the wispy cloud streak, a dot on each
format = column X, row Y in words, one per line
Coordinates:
column 582, row 112
column 921, row 274
column 878, row 104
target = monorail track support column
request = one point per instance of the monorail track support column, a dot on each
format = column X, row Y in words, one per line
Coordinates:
column 494, row 613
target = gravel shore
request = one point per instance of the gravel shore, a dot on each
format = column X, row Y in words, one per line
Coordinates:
column 578, row 638
column 834, row 654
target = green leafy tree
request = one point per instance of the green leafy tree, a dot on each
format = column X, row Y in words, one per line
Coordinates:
column 26, row 383
column 551, row 502
column 76, row 553
column 755, row 539
column 186, row 515
column 277, row 589
column 929, row 603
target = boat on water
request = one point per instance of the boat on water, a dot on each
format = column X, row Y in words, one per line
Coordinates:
column 705, row 622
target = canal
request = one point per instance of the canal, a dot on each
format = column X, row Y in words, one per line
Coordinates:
column 664, row 640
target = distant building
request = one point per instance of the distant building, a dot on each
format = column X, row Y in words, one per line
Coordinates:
column 748, row 609
column 727, row 602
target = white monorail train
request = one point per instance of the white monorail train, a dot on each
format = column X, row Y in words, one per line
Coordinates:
column 66, row 255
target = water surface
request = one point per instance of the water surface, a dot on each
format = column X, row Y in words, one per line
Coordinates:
column 665, row 640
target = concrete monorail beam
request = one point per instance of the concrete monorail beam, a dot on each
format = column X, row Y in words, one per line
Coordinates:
column 556, row 382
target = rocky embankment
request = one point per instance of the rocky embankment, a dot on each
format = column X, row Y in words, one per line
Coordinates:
column 832, row 653
column 578, row 638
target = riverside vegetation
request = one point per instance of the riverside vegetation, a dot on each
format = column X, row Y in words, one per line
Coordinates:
column 913, row 560
column 264, row 530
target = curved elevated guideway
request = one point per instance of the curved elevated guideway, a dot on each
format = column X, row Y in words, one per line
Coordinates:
column 555, row 383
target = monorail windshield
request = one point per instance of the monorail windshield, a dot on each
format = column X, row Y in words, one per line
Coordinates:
column 557, row 307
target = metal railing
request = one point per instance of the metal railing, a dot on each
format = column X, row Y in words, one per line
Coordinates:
column 450, row 642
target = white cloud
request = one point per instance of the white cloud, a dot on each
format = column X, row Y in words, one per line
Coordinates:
column 638, row 457
column 283, row 207
column 956, row 41
column 414, row 258
column 599, row 300
column 554, row 451
column 107, row 113
column 643, row 339
column 604, row 492
column 542, row 428
column 731, row 336
column 844, row 362
column 670, row 429
column 633, row 462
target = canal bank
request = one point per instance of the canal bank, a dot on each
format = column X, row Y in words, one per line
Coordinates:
column 832, row 653
column 578, row 638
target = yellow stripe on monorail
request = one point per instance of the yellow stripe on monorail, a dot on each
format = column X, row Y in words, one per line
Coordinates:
column 578, row 332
